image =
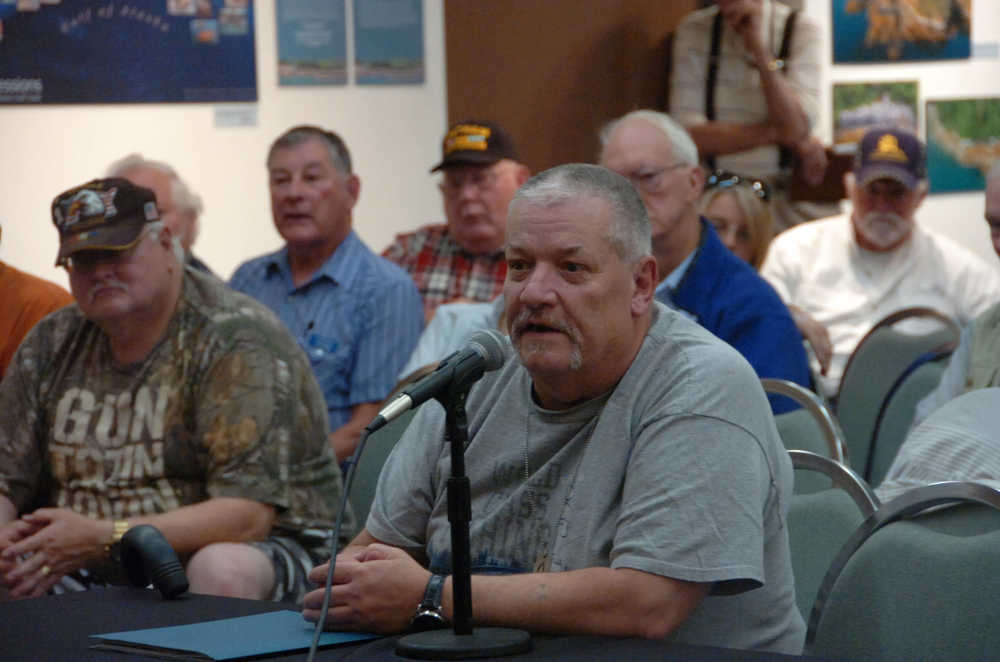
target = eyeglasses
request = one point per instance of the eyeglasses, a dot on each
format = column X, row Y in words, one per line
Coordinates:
column 454, row 182
column 725, row 179
column 652, row 180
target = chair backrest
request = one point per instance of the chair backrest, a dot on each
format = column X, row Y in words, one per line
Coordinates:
column 898, row 409
column 812, row 427
column 833, row 474
column 915, row 581
column 820, row 522
column 876, row 363
column 373, row 456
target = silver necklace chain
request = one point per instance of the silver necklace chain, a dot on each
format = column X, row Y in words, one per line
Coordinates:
column 543, row 560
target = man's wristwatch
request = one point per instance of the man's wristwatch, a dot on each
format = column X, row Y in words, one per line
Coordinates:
column 429, row 616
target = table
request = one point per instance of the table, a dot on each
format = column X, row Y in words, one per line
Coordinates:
column 58, row 627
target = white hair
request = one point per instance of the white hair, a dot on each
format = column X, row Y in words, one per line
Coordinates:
column 628, row 232
column 183, row 198
column 154, row 228
column 682, row 146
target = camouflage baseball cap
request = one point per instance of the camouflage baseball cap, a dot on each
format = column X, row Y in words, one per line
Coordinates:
column 103, row 214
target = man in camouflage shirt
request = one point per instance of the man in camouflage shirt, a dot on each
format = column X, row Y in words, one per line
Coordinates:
column 162, row 397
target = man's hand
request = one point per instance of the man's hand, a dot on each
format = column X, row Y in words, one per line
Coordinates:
column 10, row 533
column 812, row 160
column 375, row 589
column 816, row 334
column 44, row 545
column 746, row 17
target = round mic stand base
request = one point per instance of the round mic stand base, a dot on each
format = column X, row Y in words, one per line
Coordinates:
column 446, row 645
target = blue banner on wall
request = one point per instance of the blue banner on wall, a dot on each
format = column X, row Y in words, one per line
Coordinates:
column 389, row 42
column 127, row 51
column 312, row 42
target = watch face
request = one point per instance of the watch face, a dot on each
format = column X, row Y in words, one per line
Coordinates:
column 428, row 619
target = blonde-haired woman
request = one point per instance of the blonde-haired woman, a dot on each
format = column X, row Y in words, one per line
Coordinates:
column 738, row 208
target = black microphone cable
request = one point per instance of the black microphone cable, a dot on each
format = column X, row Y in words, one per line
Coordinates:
column 483, row 353
column 348, row 481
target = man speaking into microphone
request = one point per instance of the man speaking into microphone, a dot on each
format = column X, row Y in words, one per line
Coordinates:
column 626, row 475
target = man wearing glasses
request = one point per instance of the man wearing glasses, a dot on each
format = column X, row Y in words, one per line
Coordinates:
column 463, row 258
column 164, row 398
column 697, row 274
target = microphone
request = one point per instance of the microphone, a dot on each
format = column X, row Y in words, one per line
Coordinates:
column 148, row 557
column 482, row 353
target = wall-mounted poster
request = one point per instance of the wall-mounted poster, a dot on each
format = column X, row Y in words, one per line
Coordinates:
column 963, row 142
column 897, row 30
column 858, row 107
column 388, row 42
column 127, row 51
column 312, row 42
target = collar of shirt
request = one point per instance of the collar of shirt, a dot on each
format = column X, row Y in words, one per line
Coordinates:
column 338, row 268
column 668, row 284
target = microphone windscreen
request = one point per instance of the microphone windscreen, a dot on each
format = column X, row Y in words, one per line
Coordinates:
column 148, row 558
column 491, row 343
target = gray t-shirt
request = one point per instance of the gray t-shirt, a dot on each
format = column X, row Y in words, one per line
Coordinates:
column 678, row 471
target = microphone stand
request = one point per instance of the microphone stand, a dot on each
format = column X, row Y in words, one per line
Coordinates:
column 463, row 642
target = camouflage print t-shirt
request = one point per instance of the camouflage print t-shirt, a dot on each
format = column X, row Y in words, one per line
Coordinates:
column 224, row 406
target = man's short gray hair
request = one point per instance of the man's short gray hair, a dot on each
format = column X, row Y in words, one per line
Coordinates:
column 184, row 199
column 682, row 146
column 340, row 156
column 629, row 233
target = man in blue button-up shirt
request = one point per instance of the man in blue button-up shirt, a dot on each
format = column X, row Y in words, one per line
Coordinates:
column 356, row 315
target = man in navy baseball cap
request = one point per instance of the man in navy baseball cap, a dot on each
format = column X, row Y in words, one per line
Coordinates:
column 841, row 275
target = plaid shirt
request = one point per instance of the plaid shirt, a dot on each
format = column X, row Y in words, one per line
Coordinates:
column 443, row 270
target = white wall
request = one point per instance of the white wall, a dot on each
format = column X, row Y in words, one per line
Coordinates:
column 958, row 215
column 393, row 133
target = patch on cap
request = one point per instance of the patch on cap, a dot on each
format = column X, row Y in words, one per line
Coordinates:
column 887, row 149
column 467, row 136
column 86, row 204
column 472, row 142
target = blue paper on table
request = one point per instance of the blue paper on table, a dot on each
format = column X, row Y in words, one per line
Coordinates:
column 226, row 639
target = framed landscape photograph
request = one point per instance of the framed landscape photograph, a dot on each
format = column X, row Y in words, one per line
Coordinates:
column 858, row 107
column 963, row 142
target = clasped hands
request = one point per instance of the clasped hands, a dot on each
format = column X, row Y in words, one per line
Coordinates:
column 376, row 589
column 42, row 546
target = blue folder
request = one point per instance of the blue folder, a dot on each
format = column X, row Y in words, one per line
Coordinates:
column 226, row 639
